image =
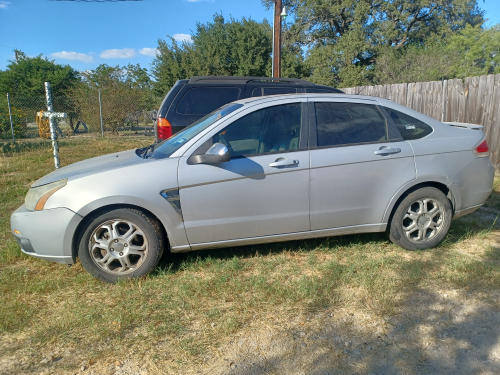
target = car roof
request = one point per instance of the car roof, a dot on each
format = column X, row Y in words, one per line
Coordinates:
column 241, row 80
column 256, row 99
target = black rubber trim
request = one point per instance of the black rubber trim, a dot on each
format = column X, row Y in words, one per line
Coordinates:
column 25, row 244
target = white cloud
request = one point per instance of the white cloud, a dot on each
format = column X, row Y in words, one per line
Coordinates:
column 72, row 56
column 183, row 38
column 4, row 4
column 148, row 51
column 123, row 53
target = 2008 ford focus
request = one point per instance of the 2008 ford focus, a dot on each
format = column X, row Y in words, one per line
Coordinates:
column 261, row 170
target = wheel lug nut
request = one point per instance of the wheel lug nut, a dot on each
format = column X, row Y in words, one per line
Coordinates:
column 121, row 253
column 116, row 241
column 125, row 245
column 112, row 249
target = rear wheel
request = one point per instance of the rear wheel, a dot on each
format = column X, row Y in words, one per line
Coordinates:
column 121, row 243
column 422, row 219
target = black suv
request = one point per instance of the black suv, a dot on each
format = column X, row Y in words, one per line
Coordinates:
column 190, row 100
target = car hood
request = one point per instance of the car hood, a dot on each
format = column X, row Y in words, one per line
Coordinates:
column 93, row 165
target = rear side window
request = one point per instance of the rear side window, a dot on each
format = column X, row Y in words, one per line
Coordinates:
column 340, row 124
column 203, row 100
column 321, row 91
column 262, row 91
column 409, row 127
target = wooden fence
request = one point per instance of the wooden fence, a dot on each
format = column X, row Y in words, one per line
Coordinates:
column 475, row 101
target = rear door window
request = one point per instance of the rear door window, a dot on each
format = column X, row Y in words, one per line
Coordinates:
column 409, row 127
column 203, row 100
column 339, row 124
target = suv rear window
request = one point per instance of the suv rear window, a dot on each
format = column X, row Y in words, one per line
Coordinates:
column 409, row 127
column 203, row 100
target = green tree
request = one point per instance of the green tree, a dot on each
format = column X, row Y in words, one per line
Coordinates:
column 124, row 90
column 344, row 38
column 471, row 51
column 222, row 48
column 26, row 76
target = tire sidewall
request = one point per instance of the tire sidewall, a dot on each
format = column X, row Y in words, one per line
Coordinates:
column 396, row 233
column 151, row 232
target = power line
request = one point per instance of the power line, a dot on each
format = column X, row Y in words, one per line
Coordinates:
column 96, row 1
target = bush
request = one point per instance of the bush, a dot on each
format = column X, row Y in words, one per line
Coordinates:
column 18, row 120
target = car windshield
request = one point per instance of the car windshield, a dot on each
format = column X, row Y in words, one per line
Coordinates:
column 167, row 147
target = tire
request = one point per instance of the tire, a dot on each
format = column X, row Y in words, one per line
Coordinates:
column 421, row 220
column 120, row 244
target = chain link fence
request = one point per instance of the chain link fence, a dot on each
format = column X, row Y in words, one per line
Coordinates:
column 85, row 114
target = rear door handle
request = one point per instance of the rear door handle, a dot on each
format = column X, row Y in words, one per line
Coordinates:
column 387, row 150
column 282, row 162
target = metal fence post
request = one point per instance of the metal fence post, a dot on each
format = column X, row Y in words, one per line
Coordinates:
column 100, row 112
column 53, row 134
column 10, row 116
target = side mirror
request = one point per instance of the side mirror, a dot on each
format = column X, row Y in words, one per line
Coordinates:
column 217, row 153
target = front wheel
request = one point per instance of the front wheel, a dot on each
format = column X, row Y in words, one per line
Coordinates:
column 119, row 244
column 422, row 219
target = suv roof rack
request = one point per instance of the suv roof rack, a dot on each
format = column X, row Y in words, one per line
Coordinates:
column 199, row 79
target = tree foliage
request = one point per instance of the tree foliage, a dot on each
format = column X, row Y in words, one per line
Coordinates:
column 345, row 38
column 26, row 76
column 124, row 90
column 221, row 48
column 472, row 51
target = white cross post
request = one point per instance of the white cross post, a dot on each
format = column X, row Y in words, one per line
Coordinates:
column 52, row 116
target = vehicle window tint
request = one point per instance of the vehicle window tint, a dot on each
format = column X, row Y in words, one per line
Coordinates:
column 315, row 90
column 203, row 100
column 269, row 129
column 409, row 127
column 279, row 90
column 349, row 123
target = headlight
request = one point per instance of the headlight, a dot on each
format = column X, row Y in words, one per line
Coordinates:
column 36, row 197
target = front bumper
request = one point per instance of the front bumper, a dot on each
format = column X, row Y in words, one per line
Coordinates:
column 46, row 234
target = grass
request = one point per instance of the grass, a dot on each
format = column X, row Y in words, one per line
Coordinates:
column 194, row 302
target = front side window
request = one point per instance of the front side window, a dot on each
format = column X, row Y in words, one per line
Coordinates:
column 409, row 127
column 270, row 129
column 203, row 100
column 169, row 146
column 340, row 124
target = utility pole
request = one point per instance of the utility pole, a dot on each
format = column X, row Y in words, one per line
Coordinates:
column 277, row 40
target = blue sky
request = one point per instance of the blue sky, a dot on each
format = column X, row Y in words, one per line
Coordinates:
column 85, row 34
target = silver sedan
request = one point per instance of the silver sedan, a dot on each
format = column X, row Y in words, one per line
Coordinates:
column 261, row 170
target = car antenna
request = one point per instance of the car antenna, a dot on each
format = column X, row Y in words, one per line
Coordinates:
column 361, row 90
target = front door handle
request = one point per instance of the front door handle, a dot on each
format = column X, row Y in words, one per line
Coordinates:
column 282, row 162
column 384, row 150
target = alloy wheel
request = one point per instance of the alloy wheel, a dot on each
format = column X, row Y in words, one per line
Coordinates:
column 118, row 246
column 423, row 219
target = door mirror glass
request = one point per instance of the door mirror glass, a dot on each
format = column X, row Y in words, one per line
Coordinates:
column 217, row 153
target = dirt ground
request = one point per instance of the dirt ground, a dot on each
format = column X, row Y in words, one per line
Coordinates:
column 435, row 331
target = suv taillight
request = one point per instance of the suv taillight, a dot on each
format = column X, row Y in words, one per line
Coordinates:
column 164, row 128
column 482, row 150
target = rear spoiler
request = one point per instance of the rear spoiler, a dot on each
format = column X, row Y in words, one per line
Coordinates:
column 464, row 125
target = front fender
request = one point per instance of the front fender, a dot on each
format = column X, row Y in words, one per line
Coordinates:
column 170, row 219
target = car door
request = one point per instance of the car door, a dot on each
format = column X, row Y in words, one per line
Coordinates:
column 358, row 162
column 262, row 190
